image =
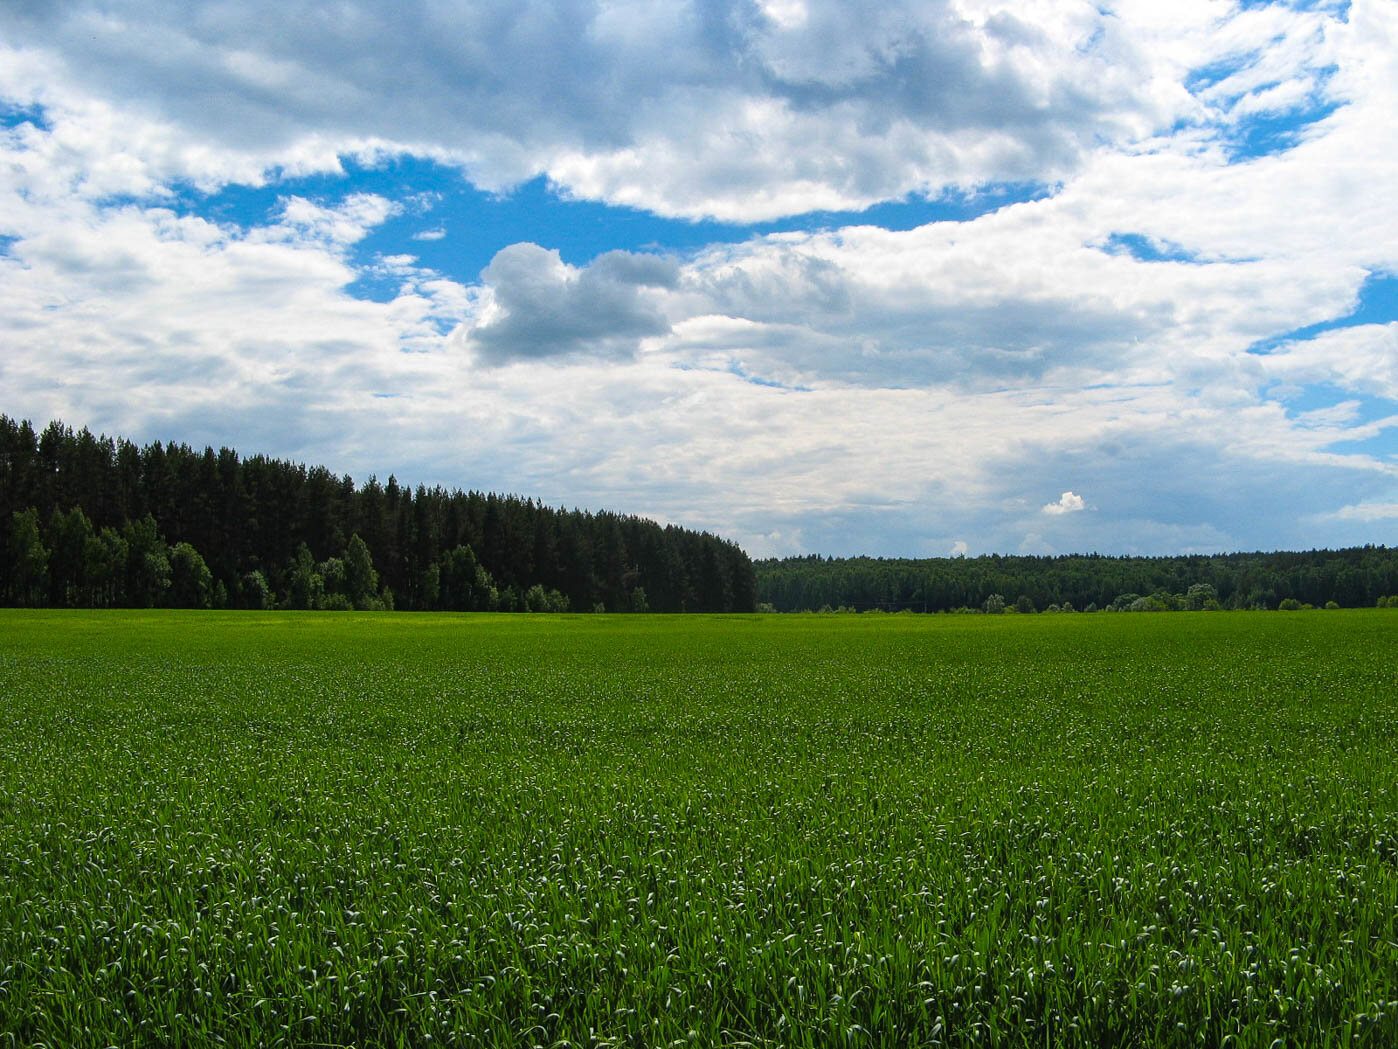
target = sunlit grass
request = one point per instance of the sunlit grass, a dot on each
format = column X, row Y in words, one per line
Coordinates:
column 371, row 830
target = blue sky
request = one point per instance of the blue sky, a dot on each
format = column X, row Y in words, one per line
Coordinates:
column 456, row 228
column 907, row 280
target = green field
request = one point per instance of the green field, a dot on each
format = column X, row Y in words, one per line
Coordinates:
column 284, row 829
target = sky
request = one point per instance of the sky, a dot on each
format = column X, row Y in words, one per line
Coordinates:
column 905, row 279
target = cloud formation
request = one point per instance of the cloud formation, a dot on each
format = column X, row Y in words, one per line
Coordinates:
column 1068, row 503
column 756, row 111
column 533, row 305
column 1180, row 306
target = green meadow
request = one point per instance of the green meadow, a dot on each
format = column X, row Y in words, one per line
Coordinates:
column 360, row 830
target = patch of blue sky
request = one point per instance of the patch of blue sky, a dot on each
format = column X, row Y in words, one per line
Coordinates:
column 455, row 229
column 1360, row 411
column 1266, row 134
column 1147, row 249
column 372, row 286
column 1378, row 304
column 1319, row 396
column 1383, row 446
column 12, row 115
column 756, row 380
column 6, row 242
column 1339, row 8
column 1207, row 76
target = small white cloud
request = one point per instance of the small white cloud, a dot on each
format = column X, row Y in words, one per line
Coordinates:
column 1367, row 512
column 959, row 548
column 1068, row 503
column 341, row 225
column 786, row 14
column 430, row 234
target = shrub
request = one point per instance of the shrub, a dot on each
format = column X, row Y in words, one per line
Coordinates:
column 253, row 591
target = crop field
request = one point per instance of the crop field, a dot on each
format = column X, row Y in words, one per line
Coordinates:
column 333, row 830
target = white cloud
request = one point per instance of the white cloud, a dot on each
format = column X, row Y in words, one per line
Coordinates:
column 1068, row 503
column 338, row 226
column 751, row 114
column 1362, row 359
column 1367, row 512
column 858, row 388
column 533, row 305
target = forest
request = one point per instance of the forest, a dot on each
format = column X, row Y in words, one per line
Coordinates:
column 1356, row 577
column 93, row 521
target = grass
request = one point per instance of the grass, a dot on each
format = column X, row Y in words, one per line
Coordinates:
column 244, row 829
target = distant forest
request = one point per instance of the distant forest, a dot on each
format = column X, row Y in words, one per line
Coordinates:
column 1362, row 576
column 92, row 521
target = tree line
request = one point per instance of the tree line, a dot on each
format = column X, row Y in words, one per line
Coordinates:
column 93, row 521
column 1356, row 577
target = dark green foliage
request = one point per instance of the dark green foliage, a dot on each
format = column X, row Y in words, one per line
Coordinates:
column 147, row 563
column 1200, row 596
column 1353, row 578
column 537, row 599
column 305, row 584
column 191, row 582
column 463, row 585
column 254, row 593
column 28, row 560
column 1078, row 831
column 376, row 546
column 104, row 567
column 361, row 580
column 69, row 535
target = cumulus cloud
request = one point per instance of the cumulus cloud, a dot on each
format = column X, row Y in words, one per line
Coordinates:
column 752, row 114
column 1068, row 503
column 535, row 305
column 890, row 391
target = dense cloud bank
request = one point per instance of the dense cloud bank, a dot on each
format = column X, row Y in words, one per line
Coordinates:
column 732, row 109
column 1182, row 309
